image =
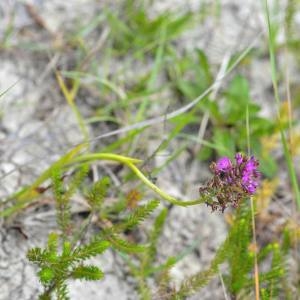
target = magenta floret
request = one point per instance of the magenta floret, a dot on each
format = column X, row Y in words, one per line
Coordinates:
column 239, row 158
column 223, row 164
column 250, row 175
column 232, row 181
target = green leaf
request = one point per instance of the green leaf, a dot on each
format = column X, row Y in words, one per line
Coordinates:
column 92, row 249
column 57, row 185
column 188, row 88
column 76, row 180
column 62, row 291
column 224, row 142
column 52, row 242
column 264, row 294
column 63, row 210
column 237, row 98
column 139, row 215
column 87, row 273
column 67, row 248
column 35, row 255
column 214, row 110
column 46, row 274
column 204, row 64
column 177, row 25
column 98, row 193
column 154, row 235
column 123, row 245
column 268, row 166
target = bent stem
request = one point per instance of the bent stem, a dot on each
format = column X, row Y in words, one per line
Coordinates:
column 27, row 194
column 130, row 163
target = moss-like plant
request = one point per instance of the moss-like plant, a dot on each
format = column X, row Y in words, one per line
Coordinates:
column 65, row 254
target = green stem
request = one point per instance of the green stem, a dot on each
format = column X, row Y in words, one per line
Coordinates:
column 286, row 150
column 129, row 162
column 26, row 195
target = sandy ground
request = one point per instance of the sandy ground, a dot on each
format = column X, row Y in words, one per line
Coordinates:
column 37, row 126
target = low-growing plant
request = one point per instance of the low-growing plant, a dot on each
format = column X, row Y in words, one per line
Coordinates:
column 248, row 269
column 67, row 250
column 56, row 267
column 227, row 132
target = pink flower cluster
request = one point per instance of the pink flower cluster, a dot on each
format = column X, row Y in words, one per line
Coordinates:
column 232, row 181
column 244, row 172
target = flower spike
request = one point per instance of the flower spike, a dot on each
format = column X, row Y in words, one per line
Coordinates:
column 232, row 181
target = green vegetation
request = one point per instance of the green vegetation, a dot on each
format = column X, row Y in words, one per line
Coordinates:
column 155, row 83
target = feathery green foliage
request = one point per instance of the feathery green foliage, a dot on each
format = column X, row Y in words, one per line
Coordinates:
column 186, row 74
column 144, row 267
column 62, row 202
column 94, row 248
column 197, row 281
column 63, row 195
column 121, row 244
column 97, row 193
column 235, row 251
column 138, row 215
column 87, row 273
column 240, row 260
column 154, row 235
column 56, row 268
column 61, row 291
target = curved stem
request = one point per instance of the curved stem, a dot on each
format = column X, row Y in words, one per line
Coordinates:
column 129, row 162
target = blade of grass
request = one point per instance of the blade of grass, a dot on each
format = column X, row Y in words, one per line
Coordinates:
column 185, row 108
column 27, row 194
column 151, row 83
column 154, row 73
column 109, row 84
column 130, row 163
column 9, row 88
column 287, row 153
column 70, row 97
column 117, row 145
column 204, row 142
column 256, row 270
